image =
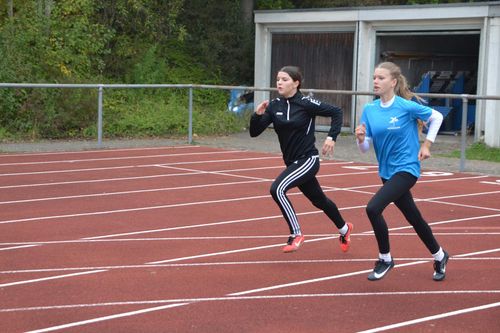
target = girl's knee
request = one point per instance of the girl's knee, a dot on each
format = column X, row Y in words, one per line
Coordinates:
column 372, row 210
column 274, row 190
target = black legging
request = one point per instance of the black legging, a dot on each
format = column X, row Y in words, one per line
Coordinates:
column 302, row 174
column 397, row 190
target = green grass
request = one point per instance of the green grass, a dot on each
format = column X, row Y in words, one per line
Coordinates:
column 479, row 151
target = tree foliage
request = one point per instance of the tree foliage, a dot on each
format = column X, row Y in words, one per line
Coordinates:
column 128, row 41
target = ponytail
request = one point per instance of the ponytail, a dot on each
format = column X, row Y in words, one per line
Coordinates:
column 401, row 88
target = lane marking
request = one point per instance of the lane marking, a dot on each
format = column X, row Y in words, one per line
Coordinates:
column 436, row 174
column 96, row 320
column 146, row 177
column 122, row 158
column 361, row 167
column 3, row 285
column 434, row 317
column 17, row 247
column 230, row 200
column 261, row 297
column 111, row 150
column 131, row 313
column 233, row 263
column 231, row 251
column 211, row 238
column 320, row 279
column 108, row 194
column 273, row 217
column 135, row 166
column 497, row 182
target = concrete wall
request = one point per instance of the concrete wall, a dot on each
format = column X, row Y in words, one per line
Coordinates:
column 492, row 107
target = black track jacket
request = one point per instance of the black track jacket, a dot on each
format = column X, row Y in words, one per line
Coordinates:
column 293, row 120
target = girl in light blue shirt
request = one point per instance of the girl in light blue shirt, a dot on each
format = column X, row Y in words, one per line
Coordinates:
column 392, row 124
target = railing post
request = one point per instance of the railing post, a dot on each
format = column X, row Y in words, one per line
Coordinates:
column 463, row 144
column 190, row 125
column 99, row 116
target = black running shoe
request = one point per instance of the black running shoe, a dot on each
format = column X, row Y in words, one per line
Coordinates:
column 381, row 268
column 440, row 268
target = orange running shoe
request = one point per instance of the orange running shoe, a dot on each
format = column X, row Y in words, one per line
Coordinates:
column 345, row 240
column 293, row 244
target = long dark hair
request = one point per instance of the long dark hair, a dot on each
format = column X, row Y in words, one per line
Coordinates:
column 294, row 73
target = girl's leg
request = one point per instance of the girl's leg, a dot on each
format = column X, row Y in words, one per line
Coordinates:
column 312, row 190
column 391, row 191
column 294, row 175
column 407, row 206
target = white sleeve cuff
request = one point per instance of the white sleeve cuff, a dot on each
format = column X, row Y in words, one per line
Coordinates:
column 434, row 123
column 364, row 146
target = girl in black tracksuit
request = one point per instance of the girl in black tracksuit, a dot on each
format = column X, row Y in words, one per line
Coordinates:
column 293, row 117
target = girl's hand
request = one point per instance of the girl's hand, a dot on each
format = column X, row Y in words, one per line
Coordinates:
column 361, row 133
column 261, row 108
column 328, row 147
column 425, row 150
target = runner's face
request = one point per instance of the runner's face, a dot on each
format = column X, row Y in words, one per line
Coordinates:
column 383, row 83
column 287, row 87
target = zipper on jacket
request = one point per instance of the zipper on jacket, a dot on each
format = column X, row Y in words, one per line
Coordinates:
column 309, row 127
column 288, row 110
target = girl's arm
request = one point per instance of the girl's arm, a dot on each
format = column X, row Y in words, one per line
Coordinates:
column 434, row 123
column 260, row 119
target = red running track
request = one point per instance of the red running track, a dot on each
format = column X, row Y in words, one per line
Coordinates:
column 187, row 239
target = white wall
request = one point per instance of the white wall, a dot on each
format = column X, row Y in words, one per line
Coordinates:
column 492, row 109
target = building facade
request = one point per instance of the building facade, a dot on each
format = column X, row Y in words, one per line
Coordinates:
column 448, row 49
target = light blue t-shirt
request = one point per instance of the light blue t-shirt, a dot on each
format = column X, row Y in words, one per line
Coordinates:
column 394, row 133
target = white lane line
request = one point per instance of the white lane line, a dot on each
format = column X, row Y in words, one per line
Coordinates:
column 141, row 232
column 101, row 180
column 195, row 203
column 434, row 317
column 135, row 166
column 448, row 179
column 331, row 277
column 111, row 150
column 96, row 320
column 3, row 285
column 250, row 181
column 220, row 201
column 99, row 194
column 162, row 189
column 131, row 313
column 64, row 171
column 211, row 238
column 231, row 263
column 476, row 253
column 17, row 247
column 183, row 227
column 261, row 297
column 321, row 279
column 123, row 158
column 492, row 183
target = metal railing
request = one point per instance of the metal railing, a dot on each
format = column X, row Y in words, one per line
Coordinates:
column 100, row 88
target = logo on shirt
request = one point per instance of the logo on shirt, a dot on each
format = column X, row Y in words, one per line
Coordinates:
column 393, row 123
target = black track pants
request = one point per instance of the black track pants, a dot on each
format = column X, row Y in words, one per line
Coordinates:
column 302, row 174
column 397, row 190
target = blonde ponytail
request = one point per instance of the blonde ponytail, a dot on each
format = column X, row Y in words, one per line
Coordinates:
column 401, row 88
